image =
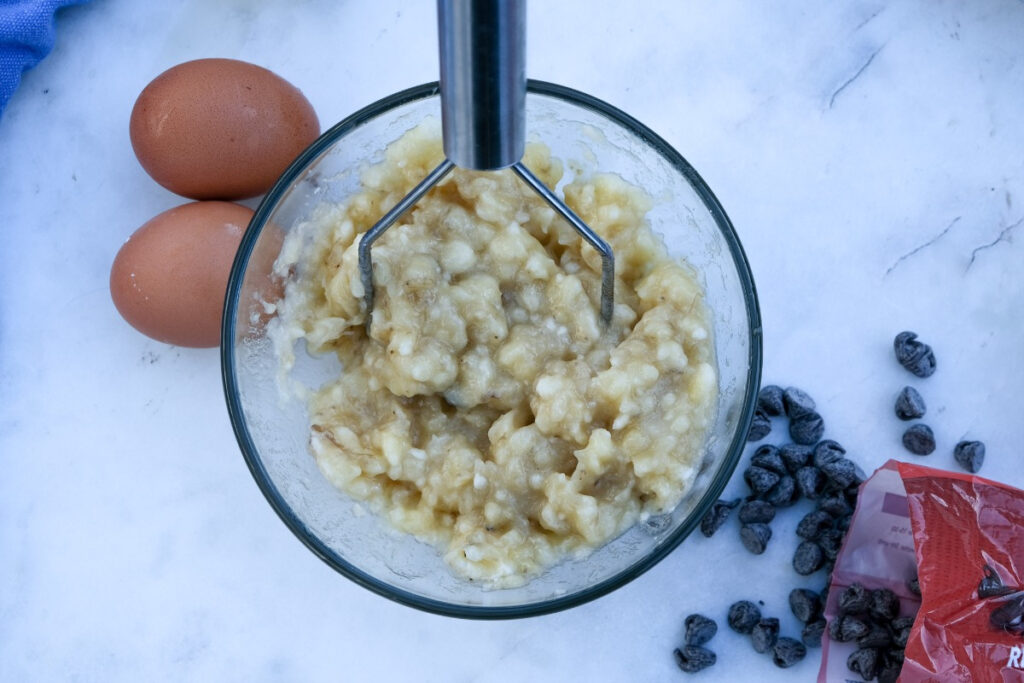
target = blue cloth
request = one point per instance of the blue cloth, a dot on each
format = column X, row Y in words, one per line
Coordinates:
column 26, row 36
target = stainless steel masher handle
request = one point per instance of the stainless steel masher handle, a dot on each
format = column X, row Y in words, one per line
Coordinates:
column 483, row 81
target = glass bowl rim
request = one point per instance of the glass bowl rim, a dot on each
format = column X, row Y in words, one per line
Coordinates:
column 311, row 540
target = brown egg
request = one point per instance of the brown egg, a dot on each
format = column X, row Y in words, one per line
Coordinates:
column 220, row 128
column 169, row 279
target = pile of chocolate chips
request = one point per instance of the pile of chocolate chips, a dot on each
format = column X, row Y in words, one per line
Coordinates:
column 817, row 469
column 807, row 468
column 693, row 656
column 781, row 476
column 745, row 617
column 919, row 359
column 871, row 619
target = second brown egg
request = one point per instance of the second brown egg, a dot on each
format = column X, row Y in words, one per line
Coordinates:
column 169, row 279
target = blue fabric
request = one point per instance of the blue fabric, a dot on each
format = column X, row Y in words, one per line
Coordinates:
column 26, row 36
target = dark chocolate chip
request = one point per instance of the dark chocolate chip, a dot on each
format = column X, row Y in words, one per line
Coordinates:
column 851, row 494
column 883, row 605
column 991, row 585
column 830, row 542
column 826, row 451
column 890, row 673
column 909, row 404
column 806, row 429
column 851, row 628
column 970, row 455
column 835, row 505
column 716, row 516
column 769, row 401
column 919, row 439
column 900, row 635
column 760, row 427
column 806, row 604
column 845, row 629
column 902, row 622
column 787, row 652
column 784, row 493
column 812, row 632
column 759, row 479
column 764, row 634
column 797, row 403
column 841, row 472
column 795, row 456
column 813, row 523
column 810, row 481
column 1009, row 616
column 866, row 662
column 743, row 616
column 855, row 599
column 877, row 636
column 808, row 558
column 699, row 629
column 767, row 456
column 915, row 356
column 753, row 511
column 692, row 658
column 835, row 629
column 755, row 537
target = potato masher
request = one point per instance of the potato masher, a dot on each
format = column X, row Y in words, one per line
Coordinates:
column 482, row 45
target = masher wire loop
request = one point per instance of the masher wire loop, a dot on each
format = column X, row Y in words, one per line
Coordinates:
column 482, row 45
column 591, row 237
column 396, row 212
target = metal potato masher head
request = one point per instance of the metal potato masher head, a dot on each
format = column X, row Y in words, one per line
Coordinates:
column 483, row 119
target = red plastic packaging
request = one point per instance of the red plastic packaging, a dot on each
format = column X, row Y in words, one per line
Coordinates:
column 955, row 524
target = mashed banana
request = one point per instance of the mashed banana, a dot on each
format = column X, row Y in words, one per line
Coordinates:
column 486, row 410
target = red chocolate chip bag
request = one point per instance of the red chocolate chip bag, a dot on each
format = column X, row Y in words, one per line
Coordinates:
column 963, row 537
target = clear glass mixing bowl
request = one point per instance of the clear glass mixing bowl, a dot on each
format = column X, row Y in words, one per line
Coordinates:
column 273, row 434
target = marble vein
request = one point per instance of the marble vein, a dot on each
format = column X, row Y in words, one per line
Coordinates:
column 872, row 16
column 1003, row 236
column 918, row 248
column 855, row 76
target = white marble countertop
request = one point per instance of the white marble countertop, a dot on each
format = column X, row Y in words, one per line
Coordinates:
column 870, row 154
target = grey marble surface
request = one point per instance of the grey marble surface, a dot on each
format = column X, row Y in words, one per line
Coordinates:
column 870, row 154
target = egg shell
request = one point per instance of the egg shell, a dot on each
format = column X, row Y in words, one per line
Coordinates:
column 220, row 128
column 169, row 279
